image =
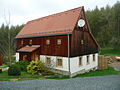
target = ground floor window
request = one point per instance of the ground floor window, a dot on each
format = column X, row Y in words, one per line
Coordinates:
column 59, row 63
column 80, row 61
column 88, row 62
column 48, row 60
column 93, row 57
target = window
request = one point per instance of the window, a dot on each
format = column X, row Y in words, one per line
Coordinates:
column 47, row 41
column 59, row 62
column 48, row 61
column 21, row 42
column 24, row 57
column 80, row 61
column 88, row 60
column 59, row 41
column 30, row 42
column 82, row 42
column 93, row 57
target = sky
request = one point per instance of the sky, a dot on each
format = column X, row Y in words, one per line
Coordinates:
column 17, row 12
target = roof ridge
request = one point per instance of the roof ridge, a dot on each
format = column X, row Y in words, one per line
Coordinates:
column 54, row 14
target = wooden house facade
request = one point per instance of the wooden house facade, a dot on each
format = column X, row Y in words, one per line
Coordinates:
column 59, row 40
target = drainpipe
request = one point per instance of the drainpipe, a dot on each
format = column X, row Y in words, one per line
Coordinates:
column 69, row 55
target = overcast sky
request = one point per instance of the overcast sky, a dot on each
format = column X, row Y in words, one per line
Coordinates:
column 22, row 11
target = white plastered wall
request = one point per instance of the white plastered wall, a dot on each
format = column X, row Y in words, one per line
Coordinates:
column 17, row 57
column 74, row 63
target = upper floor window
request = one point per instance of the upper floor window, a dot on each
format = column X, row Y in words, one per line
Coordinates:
column 82, row 42
column 47, row 41
column 21, row 42
column 30, row 42
column 80, row 61
column 59, row 41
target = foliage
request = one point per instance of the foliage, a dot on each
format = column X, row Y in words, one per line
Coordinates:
column 105, row 25
column 23, row 64
column 36, row 67
column 0, row 70
column 110, row 51
column 14, row 70
column 7, row 41
column 24, row 76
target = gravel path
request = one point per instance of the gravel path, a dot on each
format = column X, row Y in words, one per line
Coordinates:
column 87, row 83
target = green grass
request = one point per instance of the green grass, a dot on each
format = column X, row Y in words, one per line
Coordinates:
column 64, row 77
column 110, row 51
column 24, row 76
column 109, row 71
column 3, row 66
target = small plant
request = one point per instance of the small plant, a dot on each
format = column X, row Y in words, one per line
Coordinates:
column 0, row 70
column 14, row 70
column 23, row 64
column 36, row 67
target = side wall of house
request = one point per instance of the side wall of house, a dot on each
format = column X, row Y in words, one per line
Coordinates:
column 75, row 68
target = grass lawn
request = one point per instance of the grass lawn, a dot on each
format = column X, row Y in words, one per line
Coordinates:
column 110, row 51
column 3, row 66
column 24, row 76
column 109, row 71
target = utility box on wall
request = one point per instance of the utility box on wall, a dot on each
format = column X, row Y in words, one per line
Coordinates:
column 102, row 62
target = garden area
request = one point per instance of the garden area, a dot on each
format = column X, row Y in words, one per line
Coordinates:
column 24, row 70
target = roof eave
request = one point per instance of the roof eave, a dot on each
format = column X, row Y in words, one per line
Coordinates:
column 43, row 35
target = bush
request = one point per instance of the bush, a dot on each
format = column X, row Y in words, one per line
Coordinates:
column 14, row 70
column 0, row 70
column 23, row 65
column 36, row 67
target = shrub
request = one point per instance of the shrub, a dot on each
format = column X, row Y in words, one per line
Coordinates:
column 36, row 67
column 0, row 70
column 14, row 70
column 23, row 65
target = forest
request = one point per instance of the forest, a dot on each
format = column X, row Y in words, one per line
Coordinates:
column 104, row 24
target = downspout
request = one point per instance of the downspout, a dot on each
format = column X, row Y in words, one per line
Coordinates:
column 69, row 55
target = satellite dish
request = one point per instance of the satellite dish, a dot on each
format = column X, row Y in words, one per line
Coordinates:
column 81, row 23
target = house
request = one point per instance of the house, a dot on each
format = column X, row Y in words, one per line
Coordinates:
column 1, row 59
column 63, row 40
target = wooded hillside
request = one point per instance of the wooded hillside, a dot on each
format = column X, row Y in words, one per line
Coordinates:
column 105, row 25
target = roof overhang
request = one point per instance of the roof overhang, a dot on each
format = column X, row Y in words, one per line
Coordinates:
column 28, row 49
column 42, row 35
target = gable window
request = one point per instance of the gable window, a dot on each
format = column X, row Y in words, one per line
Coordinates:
column 87, row 60
column 48, row 42
column 21, row 42
column 59, row 41
column 59, row 63
column 80, row 61
column 93, row 57
column 48, row 61
column 82, row 42
column 30, row 42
